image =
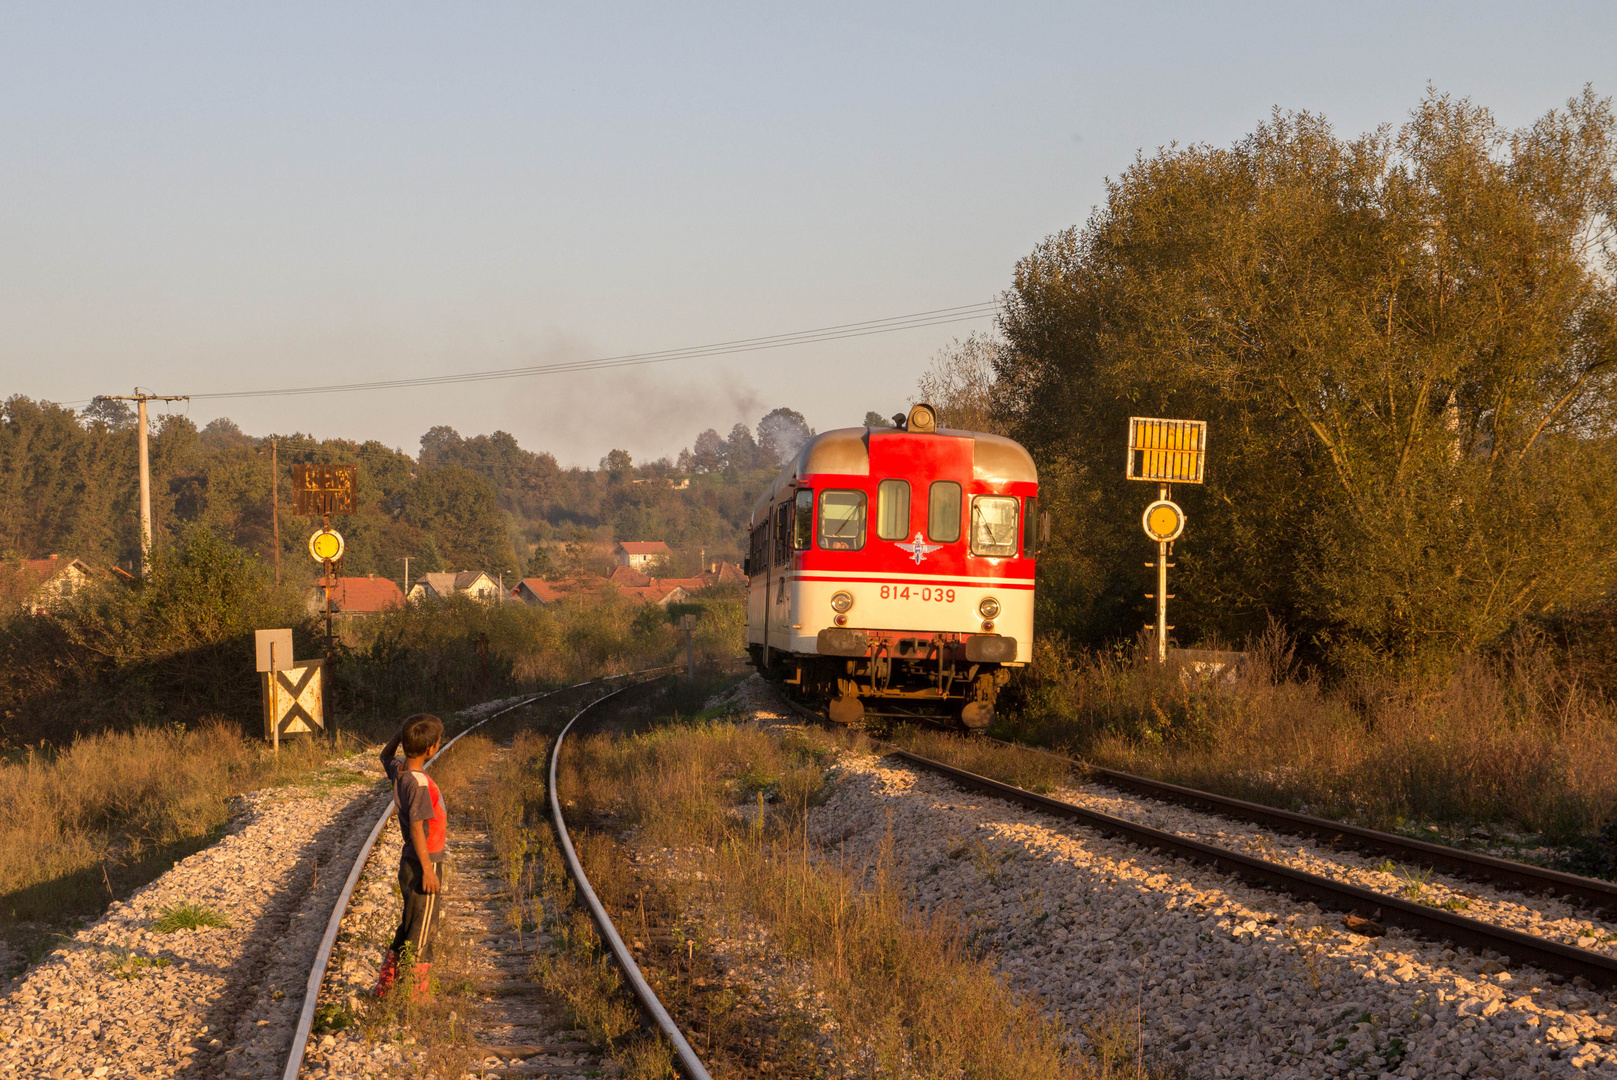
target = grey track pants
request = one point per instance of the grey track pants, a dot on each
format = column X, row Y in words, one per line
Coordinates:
column 419, row 924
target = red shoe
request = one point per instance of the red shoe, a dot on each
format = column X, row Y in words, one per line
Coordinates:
column 387, row 975
column 423, row 979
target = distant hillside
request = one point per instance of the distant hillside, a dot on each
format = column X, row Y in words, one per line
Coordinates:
column 68, row 486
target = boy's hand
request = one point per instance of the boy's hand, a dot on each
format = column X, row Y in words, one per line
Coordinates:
column 429, row 878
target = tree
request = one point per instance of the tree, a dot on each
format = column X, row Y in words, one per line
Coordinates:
column 1405, row 346
column 781, row 434
column 740, row 450
column 874, row 419
column 111, row 413
column 617, row 464
column 959, row 384
column 707, row 453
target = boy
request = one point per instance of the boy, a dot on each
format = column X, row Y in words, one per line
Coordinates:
column 422, row 869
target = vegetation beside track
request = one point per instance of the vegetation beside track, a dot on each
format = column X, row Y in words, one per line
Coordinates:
column 721, row 810
column 1516, row 741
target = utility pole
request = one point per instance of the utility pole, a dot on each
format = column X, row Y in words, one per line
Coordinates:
column 275, row 505
column 406, row 562
column 140, row 398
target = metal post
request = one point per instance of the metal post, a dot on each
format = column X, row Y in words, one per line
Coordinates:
column 145, row 490
column 690, row 655
column 275, row 506
column 1162, row 590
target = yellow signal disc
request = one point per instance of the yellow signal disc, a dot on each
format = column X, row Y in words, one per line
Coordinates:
column 326, row 545
column 1163, row 521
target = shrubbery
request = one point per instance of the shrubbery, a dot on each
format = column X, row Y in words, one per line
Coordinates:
column 178, row 649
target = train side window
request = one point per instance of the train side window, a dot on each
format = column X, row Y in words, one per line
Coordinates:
column 842, row 520
column 783, row 533
column 943, row 512
column 893, row 510
column 803, row 521
column 993, row 525
column 1030, row 528
column 760, row 548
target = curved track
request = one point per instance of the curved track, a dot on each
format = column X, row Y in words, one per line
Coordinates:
column 1553, row 956
column 691, row 1064
column 328, row 941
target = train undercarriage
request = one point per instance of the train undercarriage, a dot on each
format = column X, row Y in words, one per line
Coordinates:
column 940, row 677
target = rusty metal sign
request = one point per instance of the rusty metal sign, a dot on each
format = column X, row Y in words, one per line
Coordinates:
column 1167, row 451
column 294, row 701
column 324, row 489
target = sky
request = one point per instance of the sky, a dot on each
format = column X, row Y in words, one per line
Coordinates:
column 213, row 198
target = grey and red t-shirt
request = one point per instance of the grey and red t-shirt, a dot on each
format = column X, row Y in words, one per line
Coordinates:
column 419, row 799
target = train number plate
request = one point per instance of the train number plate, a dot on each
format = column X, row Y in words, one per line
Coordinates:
column 929, row 594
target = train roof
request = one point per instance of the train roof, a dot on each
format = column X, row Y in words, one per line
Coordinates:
column 846, row 451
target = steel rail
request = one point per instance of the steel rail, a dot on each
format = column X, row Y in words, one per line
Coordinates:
column 1516, row 875
column 642, row 989
column 1523, row 877
column 1567, row 960
column 328, row 941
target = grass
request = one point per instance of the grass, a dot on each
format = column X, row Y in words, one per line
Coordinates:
column 131, row 966
column 912, row 998
column 1513, row 739
column 187, row 917
column 93, row 821
column 1027, row 769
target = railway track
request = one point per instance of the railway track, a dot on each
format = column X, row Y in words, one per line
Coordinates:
column 473, row 852
column 1377, row 907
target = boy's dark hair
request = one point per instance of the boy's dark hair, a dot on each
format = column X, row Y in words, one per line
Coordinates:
column 421, row 732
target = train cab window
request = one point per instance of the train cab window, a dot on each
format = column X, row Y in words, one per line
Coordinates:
column 1030, row 528
column 893, row 510
column 943, row 512
column 993, row 525
column 803, row 520
column 842, row 520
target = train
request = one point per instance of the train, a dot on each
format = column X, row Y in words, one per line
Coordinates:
column 891, row 570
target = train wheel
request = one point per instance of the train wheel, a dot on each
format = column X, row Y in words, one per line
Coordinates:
column 847, row 709
column 977, row 714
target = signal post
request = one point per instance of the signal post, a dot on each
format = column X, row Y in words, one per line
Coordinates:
column 1165, row 452
column 325, row 490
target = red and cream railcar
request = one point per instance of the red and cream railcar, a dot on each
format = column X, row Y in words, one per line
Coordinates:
column 895, row 566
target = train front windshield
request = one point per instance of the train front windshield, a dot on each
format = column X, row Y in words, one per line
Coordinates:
column 842, row 520
column 993, row 525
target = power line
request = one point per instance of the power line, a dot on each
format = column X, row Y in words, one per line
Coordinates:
column 936, row 317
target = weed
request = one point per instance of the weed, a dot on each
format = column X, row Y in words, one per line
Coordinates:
column 187, row 916
column 129, row 966
column 1415, row 880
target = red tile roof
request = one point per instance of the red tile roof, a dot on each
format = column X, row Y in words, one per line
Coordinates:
column 644, row 547
column 360, row 595
column 623, row 575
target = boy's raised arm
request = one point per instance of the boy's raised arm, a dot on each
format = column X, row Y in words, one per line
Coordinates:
column 392, row 747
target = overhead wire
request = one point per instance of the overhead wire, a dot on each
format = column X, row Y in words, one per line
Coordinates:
column 936, row 317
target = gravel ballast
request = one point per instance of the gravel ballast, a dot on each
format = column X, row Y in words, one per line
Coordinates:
column 1229, row 980
column 120, row 999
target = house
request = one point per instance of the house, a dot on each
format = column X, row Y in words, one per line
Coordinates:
column 473, row 583
column 726, row 573
column 47, row 584
column 641, row 555
column 659, row 593
column 538, row 592
column 624, row 577
column 355, row 596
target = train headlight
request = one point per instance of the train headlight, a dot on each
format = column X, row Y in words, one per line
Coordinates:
column 841, row 602
column 989, row 608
